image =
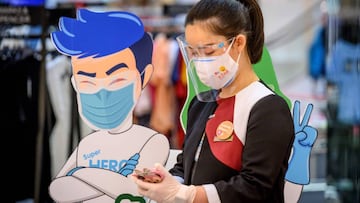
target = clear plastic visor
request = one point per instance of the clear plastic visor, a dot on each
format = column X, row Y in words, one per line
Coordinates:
column 203, row 92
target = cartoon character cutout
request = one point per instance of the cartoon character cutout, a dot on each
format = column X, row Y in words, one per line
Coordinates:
column 298, row 172
column 111, row 57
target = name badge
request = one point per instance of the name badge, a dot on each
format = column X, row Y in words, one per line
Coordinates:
column 224, row 131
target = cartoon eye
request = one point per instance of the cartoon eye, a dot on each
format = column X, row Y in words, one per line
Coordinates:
column 116, row 81
column 87, row 82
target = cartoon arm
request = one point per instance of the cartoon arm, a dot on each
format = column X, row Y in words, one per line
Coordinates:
column 155, row 150
column 96, row 180
column 130, row 165
column 72, row 184
column 65, row 188
column 298, row 173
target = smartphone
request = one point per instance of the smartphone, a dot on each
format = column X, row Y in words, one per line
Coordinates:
column 149, row 175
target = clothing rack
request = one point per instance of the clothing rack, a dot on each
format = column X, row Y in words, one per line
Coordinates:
column 17, row 16
column 32, row 15
column 42, row 111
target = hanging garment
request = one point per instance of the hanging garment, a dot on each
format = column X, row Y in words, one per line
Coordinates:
column 19, row 80
column 344, row 71
column 58, row 72
column 162, row 115
column 317, row 55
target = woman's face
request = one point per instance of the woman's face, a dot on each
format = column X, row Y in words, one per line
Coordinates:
column 202, row 42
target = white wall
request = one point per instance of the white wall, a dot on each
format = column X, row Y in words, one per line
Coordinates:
column 289, row 18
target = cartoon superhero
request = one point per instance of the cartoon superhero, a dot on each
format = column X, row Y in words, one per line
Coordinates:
column 111, row 64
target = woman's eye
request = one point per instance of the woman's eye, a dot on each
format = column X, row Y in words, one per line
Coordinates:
column 209, row 53
column 208, row 50
column 191, row 51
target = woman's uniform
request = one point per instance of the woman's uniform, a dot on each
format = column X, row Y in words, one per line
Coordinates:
column 240, row 144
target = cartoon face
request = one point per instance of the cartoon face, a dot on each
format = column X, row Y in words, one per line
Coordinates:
column 109, row 67
column 107, row 88
column 110, row 72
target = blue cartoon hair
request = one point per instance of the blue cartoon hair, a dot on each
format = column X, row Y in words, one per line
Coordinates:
column 97, row 34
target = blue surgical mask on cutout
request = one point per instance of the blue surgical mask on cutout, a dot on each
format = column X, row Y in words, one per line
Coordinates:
column 108, row 109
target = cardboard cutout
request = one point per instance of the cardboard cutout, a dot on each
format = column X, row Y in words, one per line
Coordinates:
column 298, row 173
column 111, row 63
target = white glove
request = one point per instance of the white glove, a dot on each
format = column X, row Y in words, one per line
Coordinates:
column 169, row 190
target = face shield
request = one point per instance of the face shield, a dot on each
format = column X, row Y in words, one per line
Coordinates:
column 209, row 67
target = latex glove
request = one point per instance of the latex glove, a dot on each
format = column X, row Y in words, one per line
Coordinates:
column 298, row 170
column 130, row 165
column 169, row 190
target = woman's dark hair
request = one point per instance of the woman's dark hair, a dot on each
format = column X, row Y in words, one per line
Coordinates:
column 230, row 18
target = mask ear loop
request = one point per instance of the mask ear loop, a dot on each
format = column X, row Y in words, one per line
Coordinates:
column 236, row 62
column 142, row 78
column 238, row 58
column 228, row 49
column 142, row 73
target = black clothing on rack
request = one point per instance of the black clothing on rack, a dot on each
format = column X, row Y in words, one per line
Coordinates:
column 19, row 81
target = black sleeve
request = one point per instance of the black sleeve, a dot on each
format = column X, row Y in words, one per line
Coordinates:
column 198, row 114
column 178, row 168
column 269, row 139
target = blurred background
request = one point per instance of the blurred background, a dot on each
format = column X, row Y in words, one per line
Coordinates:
column 315, row 50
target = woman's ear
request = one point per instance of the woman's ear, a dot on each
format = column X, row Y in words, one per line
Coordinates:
column 240, row 42
column 149, row 69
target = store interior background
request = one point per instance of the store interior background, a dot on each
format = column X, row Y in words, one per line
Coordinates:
column 290, row 28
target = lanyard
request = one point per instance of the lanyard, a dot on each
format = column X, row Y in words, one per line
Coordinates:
column 197, row 154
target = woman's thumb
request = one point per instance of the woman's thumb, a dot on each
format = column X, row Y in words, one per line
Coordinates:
column 159, row 167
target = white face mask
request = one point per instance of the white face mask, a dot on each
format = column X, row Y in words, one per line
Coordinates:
column 216, row 71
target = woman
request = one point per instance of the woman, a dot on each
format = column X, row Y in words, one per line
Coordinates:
column 239, row 133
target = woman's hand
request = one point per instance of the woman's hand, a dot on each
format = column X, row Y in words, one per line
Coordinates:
column 169, row 190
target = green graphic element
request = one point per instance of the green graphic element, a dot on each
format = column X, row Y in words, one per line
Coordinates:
column 130, row 197
column 265, row 71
